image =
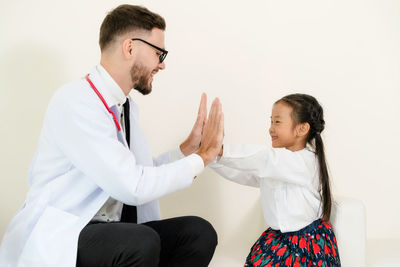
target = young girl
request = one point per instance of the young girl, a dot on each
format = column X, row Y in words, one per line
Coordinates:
column 294, row 182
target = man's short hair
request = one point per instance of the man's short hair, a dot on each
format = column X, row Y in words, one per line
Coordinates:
column 127, row 18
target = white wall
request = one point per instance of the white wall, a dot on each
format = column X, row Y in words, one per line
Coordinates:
column 344, row 52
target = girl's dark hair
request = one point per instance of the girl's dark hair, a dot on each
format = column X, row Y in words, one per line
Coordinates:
column 307, row 109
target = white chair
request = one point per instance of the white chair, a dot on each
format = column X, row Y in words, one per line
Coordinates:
column 349, row 223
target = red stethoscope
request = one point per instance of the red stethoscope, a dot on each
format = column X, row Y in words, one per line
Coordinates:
column 104, row 102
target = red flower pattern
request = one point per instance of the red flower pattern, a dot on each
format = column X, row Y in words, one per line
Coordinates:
column 296, row 249
column 281, row 251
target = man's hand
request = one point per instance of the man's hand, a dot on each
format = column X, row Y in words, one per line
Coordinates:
column 213, row 134
column 192, row 143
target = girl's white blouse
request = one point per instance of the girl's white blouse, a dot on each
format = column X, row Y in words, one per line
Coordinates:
column 289, row 182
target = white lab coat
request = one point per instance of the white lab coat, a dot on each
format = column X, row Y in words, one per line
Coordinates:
column 80, row 162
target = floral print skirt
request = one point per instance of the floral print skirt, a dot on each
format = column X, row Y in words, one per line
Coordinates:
column 314, row 245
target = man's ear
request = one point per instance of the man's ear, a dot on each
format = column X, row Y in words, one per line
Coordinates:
column 303, row 129
column 127, row 48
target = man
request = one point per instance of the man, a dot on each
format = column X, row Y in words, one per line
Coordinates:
column 93, row 182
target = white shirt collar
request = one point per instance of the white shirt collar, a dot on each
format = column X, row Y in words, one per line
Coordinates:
column 117, row 95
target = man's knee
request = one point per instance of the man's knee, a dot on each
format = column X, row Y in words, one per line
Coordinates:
column 205, row 234
column 144, row 248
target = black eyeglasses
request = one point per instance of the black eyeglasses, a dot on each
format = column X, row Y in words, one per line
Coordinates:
column 163, row 54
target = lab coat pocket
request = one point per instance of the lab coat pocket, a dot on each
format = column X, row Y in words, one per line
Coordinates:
column 51, row 239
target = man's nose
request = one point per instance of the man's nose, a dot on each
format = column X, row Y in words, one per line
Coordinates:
column 161, row 65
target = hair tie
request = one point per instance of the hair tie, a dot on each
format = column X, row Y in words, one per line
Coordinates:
column 317, row 133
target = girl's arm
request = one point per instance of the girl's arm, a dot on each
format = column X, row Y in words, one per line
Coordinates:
column 248, row 158
column 242, row 163
column 254, row 162
column 280, row 164
column 236, row 176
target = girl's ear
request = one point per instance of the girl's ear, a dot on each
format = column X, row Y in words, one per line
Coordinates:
column 303, row 129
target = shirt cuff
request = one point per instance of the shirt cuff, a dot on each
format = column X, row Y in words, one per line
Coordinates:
column 176, row 154
column 196, row 162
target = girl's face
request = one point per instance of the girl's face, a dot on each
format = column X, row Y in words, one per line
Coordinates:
column 283, row 131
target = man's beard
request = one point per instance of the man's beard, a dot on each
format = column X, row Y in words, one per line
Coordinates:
column 140, row 78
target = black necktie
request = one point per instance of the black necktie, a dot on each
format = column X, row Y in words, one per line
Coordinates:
column 127, row 122
column 129, row 213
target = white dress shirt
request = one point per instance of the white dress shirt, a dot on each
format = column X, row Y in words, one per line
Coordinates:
column 288, row 182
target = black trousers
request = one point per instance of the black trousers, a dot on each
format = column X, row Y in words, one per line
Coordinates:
column 182, row 241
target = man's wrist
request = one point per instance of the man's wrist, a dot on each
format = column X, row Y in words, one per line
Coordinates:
column 185, row 149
